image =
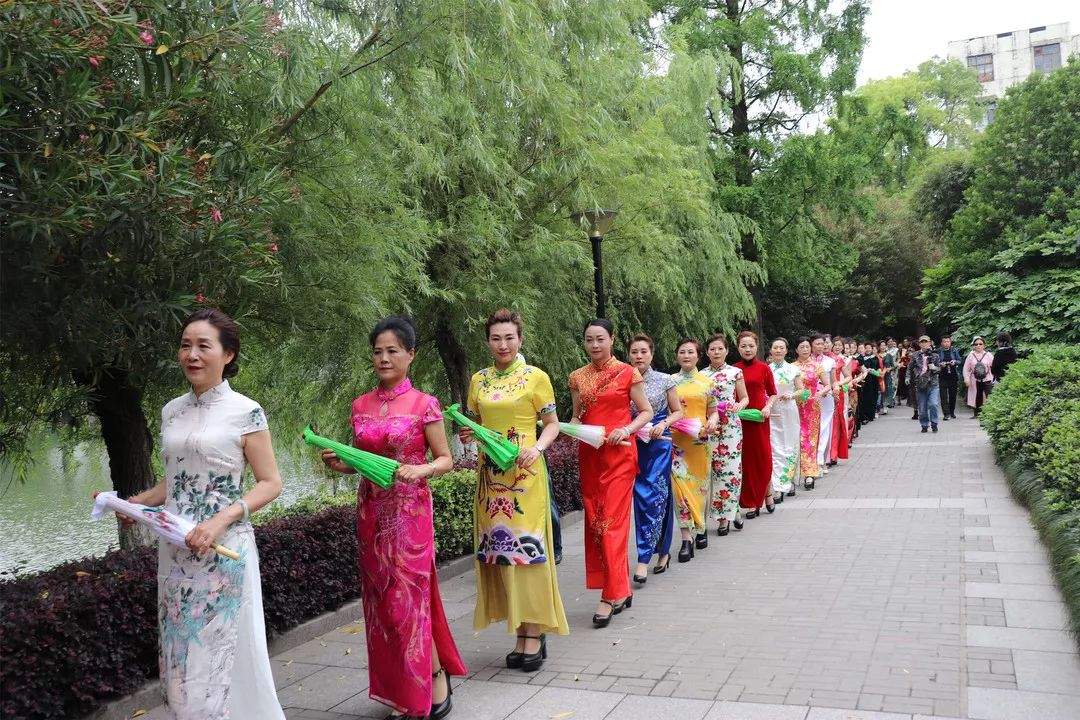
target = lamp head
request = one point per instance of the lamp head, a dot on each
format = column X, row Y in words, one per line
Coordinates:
column 599, row 221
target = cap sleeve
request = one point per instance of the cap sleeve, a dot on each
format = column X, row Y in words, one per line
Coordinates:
column 635, row 375
column 254, row 420
column 770, row 381
column 574, row 381
column 543, row 395
column 471, row 401
column 432, row 411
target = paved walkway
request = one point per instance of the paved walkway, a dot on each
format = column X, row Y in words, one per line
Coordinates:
column 907, row 584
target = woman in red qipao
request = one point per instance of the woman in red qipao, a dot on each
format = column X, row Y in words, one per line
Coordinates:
column 601, row 392
column 838, row 448
column 757, row 446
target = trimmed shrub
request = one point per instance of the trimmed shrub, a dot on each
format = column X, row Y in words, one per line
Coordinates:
column 1033, row 418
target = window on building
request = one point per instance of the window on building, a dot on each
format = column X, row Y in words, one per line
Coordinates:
column 984, row 66
column 1047, row 57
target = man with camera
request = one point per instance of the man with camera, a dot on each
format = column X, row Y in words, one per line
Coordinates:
column 923, row 371
column 950, row 377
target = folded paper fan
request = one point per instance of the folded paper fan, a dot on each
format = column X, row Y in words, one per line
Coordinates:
column 589, row 434
column 376, row 468
column 751, row 415
column 497, row 448
column 167, row 525
column 643, row 432
column 687, row 426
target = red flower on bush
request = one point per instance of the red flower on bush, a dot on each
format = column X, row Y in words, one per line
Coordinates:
column 200, row 298
column 215, row 214
column 95, row 60
column 272, row 247
column 147, row 37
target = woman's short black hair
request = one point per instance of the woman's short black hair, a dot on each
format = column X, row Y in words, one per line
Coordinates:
column 228, row 335
column 1003, row 339
column 805, row 339
column 401, row 326
column 600, row 322
column 690, row 341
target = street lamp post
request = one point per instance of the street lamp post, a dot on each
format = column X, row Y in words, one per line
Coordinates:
column 599, row 222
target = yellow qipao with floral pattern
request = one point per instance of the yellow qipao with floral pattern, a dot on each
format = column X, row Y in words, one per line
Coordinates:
column 514, row 559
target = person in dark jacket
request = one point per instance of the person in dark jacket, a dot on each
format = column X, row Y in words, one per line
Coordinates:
column 949, row 379
column 923, row 376
column 1004, row 357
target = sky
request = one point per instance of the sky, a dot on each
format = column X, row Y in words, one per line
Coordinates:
column 903, row 33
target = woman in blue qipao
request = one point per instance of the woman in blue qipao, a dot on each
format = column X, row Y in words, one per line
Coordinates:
column 653, row 509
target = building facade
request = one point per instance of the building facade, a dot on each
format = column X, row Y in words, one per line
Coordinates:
column 1008, row 58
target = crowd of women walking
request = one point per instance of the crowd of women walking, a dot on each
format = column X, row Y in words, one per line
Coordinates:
column 676, row 453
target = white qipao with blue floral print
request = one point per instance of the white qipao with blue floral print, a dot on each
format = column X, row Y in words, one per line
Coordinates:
column 212, row 656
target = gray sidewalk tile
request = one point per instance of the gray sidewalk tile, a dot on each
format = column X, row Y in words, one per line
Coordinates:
column 993, row 704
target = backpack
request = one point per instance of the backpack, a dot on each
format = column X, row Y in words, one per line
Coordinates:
column 980, row 371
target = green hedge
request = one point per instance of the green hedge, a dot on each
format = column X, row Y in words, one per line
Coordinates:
column 1033, row 418
column 451, row 497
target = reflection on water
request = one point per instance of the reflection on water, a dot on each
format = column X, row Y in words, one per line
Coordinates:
column 46, row 520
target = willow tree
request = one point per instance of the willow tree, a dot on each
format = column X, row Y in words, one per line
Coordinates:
column 511, row 117
column 144, row 172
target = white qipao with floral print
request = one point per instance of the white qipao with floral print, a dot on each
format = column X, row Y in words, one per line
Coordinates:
column 212, row 656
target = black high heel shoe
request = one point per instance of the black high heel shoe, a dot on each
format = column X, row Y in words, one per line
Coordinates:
column 779, row 498
column 701, row 541
column 515, row 658
column 723, row 530
column 661, row 568
column 737, row 523
column 623, row 604
column 531, row 662
column 686, row 551
column 640, row 579
column 602, row 621
column 770, row 508
column 441, row 710
column 791, row 492
column 808, row 483
column 751, row 514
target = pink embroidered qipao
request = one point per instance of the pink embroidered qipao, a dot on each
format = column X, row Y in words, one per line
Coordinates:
column 396, row 547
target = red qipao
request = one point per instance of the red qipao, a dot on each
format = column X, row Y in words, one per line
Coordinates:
column 757, row 447
column 395, row 536
column 838, row 445
column 607, row 475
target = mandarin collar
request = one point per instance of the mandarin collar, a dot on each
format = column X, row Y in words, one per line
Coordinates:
column 211, row 396
column 397, row 391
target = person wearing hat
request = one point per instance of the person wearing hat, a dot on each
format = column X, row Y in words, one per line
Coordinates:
column 923, row 373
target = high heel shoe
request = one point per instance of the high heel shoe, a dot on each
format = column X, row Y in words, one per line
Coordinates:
column 808, row 483
column 770, row 508
column 515, row 658
column 623, row 604
column 686, row 551
column 441, row 710
column 660, row 569
column 531, row 662
column 751, row 514
column 701, row 541
column 779, row 498
column 602, row 621
column 723, row 530
column 791, row 492
column 737, row 523
column 640, row 579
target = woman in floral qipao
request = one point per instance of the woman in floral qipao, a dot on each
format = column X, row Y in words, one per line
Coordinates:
column 212, row 656
column 725, row 447
column 515, row 567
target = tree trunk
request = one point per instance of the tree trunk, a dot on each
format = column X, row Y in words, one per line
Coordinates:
column 454, row 358
column 741, row 150
column 117, row 403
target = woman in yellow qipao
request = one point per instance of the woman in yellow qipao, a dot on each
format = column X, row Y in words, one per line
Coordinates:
column 515, row 564
column 690, row 464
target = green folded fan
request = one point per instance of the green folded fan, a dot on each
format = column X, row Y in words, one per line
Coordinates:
column 751, row 415
column 376, row 468
column 497, row 448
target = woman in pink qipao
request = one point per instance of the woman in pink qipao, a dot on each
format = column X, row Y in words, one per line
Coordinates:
column 410, row 649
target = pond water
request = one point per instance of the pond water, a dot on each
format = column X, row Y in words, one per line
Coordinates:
column 45, row 520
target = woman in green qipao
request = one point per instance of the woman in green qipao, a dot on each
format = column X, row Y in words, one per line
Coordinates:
column 515, row 567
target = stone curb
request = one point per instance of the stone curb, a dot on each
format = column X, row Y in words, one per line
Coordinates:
column 149, row 696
